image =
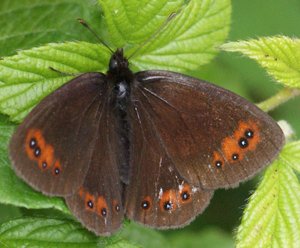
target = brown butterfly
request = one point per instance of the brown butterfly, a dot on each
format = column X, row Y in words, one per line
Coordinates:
column 151, row 146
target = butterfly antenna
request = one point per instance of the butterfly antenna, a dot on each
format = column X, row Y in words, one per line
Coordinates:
column 171, row 16
column 63, row 74
column 84, row 23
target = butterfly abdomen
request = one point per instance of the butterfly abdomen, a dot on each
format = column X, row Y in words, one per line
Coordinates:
column 120, row 105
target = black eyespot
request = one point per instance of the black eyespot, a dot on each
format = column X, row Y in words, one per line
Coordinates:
column 44, row 165
column 90, row 204
column 56, row 171
column 32, row 143
column 37, row 151
column 218, row 164
column 117, row 208
column 235, row 156
column 103, row 212
column 145, row 205
column 185, row 196
column 168, row 206
column 243, row 142
column 249, row 134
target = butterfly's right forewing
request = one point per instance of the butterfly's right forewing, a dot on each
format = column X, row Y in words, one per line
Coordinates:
column 214, row 137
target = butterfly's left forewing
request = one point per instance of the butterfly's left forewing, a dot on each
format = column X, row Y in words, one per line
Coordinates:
column 52, row 147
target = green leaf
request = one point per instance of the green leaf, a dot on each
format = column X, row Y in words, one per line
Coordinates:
column 210, row 237
column 272, row 217
column 185, row 43
column 291, row 155
column 146, row 237
column 48, row 233
column 29, row 23
column 130, row 22
column 12, row 189
column 279, row 55
column 26, row 78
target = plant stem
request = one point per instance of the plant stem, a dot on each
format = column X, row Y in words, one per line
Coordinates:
column 281, row 97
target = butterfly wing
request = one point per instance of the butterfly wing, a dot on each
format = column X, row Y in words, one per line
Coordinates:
column 97, row 203
column 62, row 148
column 214, row 137
column 52, row 149
column 157, row 195
column 196, row 136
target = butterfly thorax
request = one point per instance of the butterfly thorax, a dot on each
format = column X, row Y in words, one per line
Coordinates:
column 120, row 77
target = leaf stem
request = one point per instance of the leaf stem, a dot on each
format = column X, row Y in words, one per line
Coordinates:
column 281, row 97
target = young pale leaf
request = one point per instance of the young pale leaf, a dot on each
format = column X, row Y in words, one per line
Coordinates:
column 184, row 43
column 280, row 56
column 56, row 233
column 272, row 217
column 26, row 78
column 29, row 23
column 291, row 155
column 12, row 189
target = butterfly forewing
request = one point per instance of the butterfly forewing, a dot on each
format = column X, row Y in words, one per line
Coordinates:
column 213, row 137
column 51, row 150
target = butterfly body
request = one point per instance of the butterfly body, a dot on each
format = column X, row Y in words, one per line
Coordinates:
column 151, row 146
column 121, row 78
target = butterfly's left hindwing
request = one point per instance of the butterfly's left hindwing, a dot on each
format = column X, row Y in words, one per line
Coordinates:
column 98, row 202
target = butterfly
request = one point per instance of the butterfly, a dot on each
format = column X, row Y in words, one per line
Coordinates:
column 150, row 146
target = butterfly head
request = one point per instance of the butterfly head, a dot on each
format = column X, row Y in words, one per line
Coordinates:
column 118, row 64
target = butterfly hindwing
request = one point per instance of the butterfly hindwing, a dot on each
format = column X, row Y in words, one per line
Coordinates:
column 98, row 202
column 157, row 195
column 213, row 137
column 52, row 148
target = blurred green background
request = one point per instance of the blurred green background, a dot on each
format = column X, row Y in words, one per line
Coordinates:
column 250, row 19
